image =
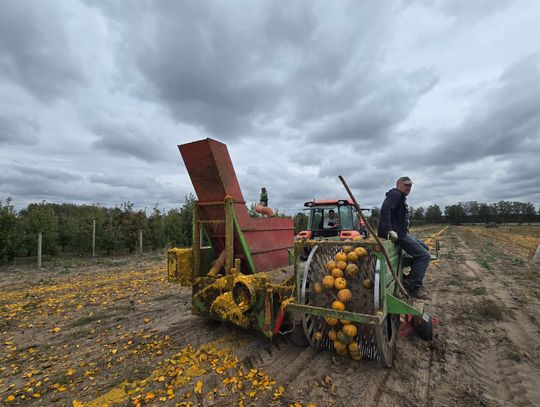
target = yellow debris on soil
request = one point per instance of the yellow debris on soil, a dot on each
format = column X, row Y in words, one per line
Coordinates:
column 509, row 235
column 191, row 373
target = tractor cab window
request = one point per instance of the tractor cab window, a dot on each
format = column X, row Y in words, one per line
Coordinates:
column 346, row 217
column 316, row 219
column 331, row 219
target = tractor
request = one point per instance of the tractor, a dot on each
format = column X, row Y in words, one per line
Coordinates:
column 345, row 224
column 332, row 220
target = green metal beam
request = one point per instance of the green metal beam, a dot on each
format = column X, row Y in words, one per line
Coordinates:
column 325, row 312
column 396, row 306
column 243, row 243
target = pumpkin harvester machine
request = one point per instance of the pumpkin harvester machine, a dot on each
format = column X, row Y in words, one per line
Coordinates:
column 346, row 297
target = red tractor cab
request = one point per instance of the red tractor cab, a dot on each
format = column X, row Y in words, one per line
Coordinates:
column 333, row 220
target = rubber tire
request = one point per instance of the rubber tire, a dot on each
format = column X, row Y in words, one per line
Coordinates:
column 426, row 330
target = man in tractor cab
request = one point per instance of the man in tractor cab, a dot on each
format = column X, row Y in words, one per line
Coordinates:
column 332, row 221
column 394, row 225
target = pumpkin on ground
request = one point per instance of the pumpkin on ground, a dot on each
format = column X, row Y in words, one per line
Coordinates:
column 356, row 356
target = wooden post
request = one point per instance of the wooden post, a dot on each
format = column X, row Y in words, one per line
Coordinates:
column 94, row 238
column 39, row 243
column 140, row 242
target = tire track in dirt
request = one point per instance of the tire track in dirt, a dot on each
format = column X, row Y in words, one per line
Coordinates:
column 511, row 339
column 479, row 345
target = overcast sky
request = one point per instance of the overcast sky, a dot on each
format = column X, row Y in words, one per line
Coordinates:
column 95, row 96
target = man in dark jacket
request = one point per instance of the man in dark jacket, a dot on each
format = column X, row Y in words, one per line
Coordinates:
column 394, row 225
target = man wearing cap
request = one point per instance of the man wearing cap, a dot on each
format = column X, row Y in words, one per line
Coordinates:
column 394, row 225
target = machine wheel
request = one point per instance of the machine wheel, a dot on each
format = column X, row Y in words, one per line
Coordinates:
column 426, row 329
column 386, row 335
column 315, row 327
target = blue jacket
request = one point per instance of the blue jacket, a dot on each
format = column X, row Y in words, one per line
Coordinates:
column 393, row 215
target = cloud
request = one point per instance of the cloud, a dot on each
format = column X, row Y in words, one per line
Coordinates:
column 35, row 50
column 96, row 96
column 125, row 140
column 16, row 130
column 118, row 180
column 506, row 122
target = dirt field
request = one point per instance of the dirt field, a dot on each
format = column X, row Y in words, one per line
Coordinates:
column 111, row 332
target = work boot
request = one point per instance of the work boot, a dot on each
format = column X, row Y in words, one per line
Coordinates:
column 419, row 293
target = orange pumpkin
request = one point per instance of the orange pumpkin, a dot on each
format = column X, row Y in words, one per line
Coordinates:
column 354, row 347
column 341, row 256
column 328, row 281
column 356, row 356
column 361, row 252
column 340, row 283
column 350, row 330
column 338, row 306
column 344, row 295
column 330, row 265
column 352, row 256
column 352, row 270
column 340, row 347
column 317, row 288
column 331, row 321
column 347, row 249
column 337, row 273
column 332, row 334
column 344, row 321
column 342, row 265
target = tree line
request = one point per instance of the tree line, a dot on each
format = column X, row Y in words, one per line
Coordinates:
column 67, row 228
column 478, row 212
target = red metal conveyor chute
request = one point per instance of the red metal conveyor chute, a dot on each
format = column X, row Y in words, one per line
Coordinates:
column 213, row 177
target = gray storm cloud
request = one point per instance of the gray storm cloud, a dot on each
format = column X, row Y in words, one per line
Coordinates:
column 96, row 96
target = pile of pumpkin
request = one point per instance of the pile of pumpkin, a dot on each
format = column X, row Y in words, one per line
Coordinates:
column 342, row 267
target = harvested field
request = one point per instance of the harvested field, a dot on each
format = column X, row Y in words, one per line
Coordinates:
column 118, row 333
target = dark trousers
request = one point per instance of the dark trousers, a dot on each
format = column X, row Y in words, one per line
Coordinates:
column 419, row 252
